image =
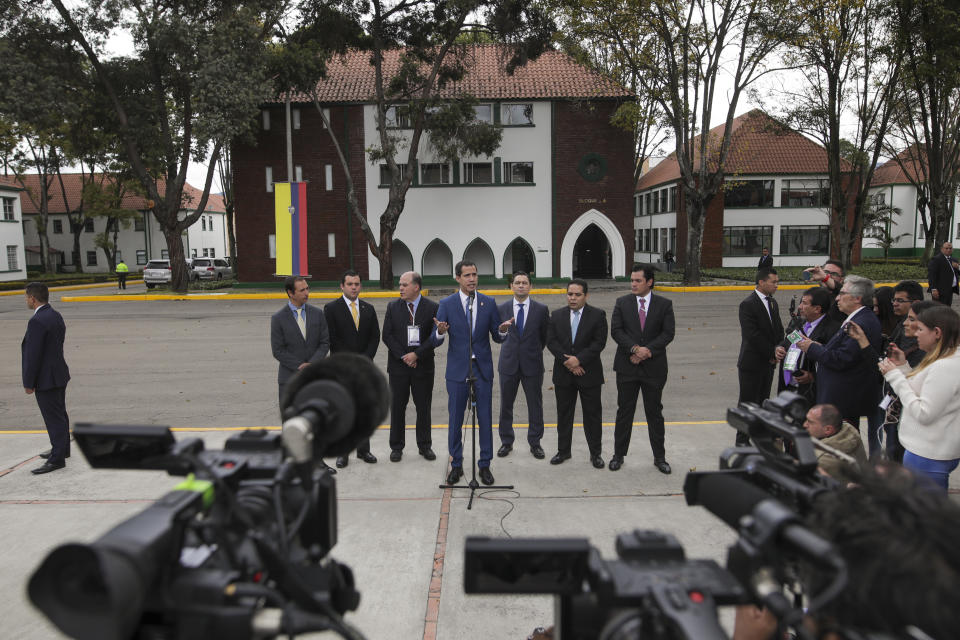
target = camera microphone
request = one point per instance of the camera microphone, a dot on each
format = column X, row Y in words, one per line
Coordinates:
column 332, row 405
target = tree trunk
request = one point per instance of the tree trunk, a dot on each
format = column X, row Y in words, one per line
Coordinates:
column 386, row 257
column 77, row 230
column 44, row 247
column 178, row 279
column 696, row 215
column 232, row 240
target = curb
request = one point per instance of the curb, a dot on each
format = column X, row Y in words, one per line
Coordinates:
column 72, row 287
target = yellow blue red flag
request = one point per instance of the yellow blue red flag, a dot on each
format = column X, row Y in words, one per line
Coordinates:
column 290, row 201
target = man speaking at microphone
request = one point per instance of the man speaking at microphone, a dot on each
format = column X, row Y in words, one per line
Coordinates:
column 464, row 314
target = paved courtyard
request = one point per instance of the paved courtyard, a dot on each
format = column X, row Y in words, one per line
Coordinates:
column 205, row 367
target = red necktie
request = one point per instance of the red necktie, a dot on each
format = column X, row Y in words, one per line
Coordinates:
column 643, row 313
column 410, row 304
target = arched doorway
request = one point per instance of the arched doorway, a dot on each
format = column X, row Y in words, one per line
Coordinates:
column 437, row 259
column 591, row 254
column 519, row 256
column 479, row 253
column 577, row 237
column 401, row 259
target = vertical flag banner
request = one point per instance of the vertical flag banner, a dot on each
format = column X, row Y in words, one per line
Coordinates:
column 290, row 211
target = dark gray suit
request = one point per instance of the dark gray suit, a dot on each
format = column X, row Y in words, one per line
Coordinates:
column 288, row 344
column 521, row 362
column 647, row 377
column 45, row 371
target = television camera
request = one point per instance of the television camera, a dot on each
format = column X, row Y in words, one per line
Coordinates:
column 239, row 548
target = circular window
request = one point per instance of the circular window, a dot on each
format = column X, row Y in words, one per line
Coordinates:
column 592, row 167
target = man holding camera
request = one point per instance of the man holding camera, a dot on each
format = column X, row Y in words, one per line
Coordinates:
column 830, row 276
column 844, row 377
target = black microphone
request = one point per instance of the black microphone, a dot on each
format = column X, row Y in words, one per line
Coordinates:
column 332, row 405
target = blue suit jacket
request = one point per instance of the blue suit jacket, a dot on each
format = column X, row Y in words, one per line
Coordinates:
column 844, row 377
column 523, row 352
column 41, row 352
column 458, row 353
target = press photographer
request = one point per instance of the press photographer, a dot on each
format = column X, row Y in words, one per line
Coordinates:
column 237, row 550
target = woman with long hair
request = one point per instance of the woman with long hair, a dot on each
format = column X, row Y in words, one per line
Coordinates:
column 930, row 394
column 883, row 307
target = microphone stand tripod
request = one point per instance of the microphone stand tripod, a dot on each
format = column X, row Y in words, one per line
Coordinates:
column 471, row 381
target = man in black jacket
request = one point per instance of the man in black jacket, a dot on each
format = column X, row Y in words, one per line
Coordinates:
column 814, row 322
column 353, row 327
column 576, row 336
column 642, row 326
column 942, row 275
column 407, row 326
column 761, row 331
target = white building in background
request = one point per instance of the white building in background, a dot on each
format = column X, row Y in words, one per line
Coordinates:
column 138, row 243
column 13, row 263
column 892, row 187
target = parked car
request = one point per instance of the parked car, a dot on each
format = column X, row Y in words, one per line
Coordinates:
column 209, row 269
column 157, row 272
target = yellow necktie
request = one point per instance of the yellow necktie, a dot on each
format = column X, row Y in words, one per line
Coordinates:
column 302, row 321
column 356, row 316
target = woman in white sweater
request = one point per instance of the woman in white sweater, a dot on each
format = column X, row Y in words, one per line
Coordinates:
column 930, row 422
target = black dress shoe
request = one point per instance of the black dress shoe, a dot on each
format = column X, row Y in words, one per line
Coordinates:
column 342, row 461
column 455, row 474
column 615, row 463
column 485, row 476
column 395, row 455
column 596, row 461
column 663, row 466
column 323, row 465
column 559, row 458
column 46, row 454
column 537, row 452
column 367, row 457
column 504, row 450
column 47, row 467
column 428, row 453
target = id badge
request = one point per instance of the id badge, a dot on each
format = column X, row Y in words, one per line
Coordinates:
column 790, row 362
column 887, row 399
column 795, row 336
column 413, row 335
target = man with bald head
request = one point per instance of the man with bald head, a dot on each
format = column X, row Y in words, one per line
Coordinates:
column 407, row 325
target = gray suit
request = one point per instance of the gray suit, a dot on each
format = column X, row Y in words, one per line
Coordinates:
column 288, row 345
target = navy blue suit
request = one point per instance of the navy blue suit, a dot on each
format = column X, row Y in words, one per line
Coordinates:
column 45, row 371
column 844, row 377
column 521, row 362
column 452, row 312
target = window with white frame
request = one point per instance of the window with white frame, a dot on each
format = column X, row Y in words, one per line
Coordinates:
column 58, row 226
column 7, row 208
column 748, row 193
column 478, row 173
column 518, row 172
column 746, row 241
column 91, row 258
column 12, row 258
column 138, row 224
column 513, row 114
column 164, row 254
column 434, row 173
column 88, row 225
column 805, row 193
column 805, row 240
column 203, row 223
column 141, row 256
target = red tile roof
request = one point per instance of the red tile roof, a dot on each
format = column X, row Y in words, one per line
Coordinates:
column 350, row 78
column 9, row 182
column 73, row 185
column 758, row 145
column 892, row 173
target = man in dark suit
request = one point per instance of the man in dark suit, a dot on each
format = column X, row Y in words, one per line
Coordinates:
column 576, row 336
column 814, row 322
column 844, row 377
column 354, row 328
column 298, row 334
column 521, row 362
column 642, row 326
column 45, row 373
column 942, row 275
column 407, row 326
column 469, row 317
column 761, row 331
column 766, row 260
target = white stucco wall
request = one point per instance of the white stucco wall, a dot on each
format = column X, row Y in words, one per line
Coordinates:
column 458, row 215
column 11, row 235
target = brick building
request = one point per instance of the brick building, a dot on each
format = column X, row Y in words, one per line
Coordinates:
column 556, row 198
column 776, row 195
